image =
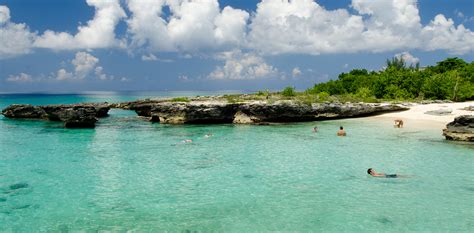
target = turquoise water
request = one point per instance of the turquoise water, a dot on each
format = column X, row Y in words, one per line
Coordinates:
column 131, row 175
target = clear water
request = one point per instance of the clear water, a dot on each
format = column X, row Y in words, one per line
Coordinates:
column 131, row 175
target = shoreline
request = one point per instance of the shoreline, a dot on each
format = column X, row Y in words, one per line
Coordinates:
column 416, row 117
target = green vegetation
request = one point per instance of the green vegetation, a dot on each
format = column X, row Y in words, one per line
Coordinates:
column 180, row 99
column 451, row 79
column 288, row 92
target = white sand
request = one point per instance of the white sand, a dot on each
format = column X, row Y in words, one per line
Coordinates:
column 416, row 117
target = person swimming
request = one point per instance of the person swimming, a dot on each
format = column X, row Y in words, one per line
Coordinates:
column 315, row 129
column 208, row 135
column 373, row 173
column 341, row 131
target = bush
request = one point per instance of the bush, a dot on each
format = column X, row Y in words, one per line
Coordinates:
column 323, row 96
column 180, row 99
column 263, row 93
column 288, row 92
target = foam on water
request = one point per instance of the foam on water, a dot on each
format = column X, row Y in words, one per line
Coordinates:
column 129, row 174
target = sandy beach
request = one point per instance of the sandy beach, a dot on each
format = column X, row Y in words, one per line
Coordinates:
column 417, row 117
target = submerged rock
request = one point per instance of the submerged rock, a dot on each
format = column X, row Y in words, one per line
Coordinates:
column 73, row 115
column 18, row 186
column 461, row 129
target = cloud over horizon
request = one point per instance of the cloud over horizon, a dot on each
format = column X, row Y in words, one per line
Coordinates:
column 276, row 27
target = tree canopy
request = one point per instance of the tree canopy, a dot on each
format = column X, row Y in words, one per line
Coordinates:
column 451, row 79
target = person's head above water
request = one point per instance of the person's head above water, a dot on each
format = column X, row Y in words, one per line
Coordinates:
column 341, row 128
column 369, row 171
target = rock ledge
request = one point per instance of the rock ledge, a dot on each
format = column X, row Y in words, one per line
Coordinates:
column 73, row 115
column 461, row 129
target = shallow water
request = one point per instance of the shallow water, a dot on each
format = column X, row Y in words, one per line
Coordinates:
column 130, row 174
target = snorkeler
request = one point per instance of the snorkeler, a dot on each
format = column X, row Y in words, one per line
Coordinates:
column 341, row 131
column 372, row 172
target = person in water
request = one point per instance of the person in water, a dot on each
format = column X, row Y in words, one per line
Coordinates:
column 208, row 135
column 341, row 132
column 315, row 129
column 373, row 173
column 398, row 123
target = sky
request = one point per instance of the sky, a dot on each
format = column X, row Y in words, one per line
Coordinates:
column 246, row 45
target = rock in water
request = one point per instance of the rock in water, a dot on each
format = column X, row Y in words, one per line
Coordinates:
column 73, row 115
column 79, row 117
column 257, row 112
column 18, row 186
column 439, row 112
column 461, row 129
column 24, row 111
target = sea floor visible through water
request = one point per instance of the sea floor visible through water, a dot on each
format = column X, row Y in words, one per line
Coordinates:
column 128, row 174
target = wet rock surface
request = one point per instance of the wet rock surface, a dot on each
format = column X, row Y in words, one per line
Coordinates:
column 461, row 129
column 73, row 115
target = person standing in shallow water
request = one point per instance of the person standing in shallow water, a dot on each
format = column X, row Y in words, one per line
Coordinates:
column 398, row 123
column 341, row 131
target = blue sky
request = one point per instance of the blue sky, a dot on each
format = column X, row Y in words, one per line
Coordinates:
column 218, row 45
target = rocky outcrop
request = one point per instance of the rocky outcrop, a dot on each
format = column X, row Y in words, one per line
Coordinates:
column 468, row 108
column 24, row 111
column 257, row 112
column 461, row 129
column 439, row 112
column 73, row 116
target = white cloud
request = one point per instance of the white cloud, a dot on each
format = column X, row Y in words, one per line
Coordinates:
column 303, row 26
column 4, row 14
column 441, row 33
column 408, row 58
column 149, row 57
column 183, row 78
column 22, row 78
column 296, row 72
column 276, row 27
column 62, row 75
column 192, row 25
column 15, row 39
column 98, row 33
column 85, row 65
column 239, row 66
column 152, row 57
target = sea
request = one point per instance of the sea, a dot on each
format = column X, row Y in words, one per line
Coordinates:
column 131, row 175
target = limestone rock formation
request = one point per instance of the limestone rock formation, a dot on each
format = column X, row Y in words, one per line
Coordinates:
column 461, row 129
column 73, row 116
column 256, row 112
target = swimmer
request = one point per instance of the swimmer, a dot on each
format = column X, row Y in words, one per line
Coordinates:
column 208, row 135
column 187, row 141
column 315, row 129
column 372, row 172
column 341, row 132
